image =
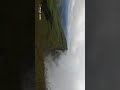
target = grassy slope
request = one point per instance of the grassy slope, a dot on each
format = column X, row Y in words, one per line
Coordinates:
column 56, row 34
column 46, row 37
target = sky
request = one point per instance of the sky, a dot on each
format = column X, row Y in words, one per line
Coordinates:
column 67, row 72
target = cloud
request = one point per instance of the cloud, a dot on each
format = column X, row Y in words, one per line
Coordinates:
column 69, row 73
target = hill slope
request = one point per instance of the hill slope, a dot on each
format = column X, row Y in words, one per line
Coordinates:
column 49, row 34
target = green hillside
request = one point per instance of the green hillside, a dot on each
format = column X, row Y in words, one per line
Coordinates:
column 49, row 35
column 56, row 38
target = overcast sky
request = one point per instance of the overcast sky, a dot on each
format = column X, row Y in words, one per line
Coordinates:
column 69, row 73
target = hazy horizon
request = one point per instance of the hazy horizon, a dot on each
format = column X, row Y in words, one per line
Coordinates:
column 69, row 72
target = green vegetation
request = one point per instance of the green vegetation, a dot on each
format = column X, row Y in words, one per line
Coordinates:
column 56, row 37
column 49, row 34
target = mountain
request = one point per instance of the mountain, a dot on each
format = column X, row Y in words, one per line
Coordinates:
column 62, row 6
column 49, row 36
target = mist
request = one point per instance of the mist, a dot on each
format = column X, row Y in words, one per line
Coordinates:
column 67, row 72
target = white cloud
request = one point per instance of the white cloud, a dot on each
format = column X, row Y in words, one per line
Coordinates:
column 69, row 74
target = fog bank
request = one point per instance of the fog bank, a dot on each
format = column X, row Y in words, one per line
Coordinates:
column 68, row 71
